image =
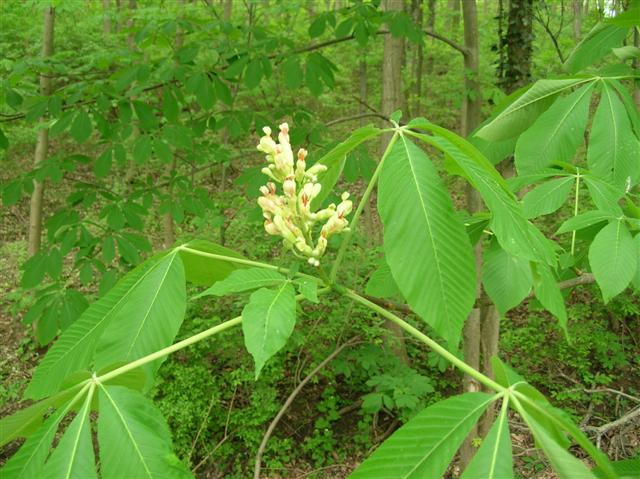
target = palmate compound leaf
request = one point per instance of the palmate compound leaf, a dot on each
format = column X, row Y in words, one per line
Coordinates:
column 562, row 129
column 555, row 422
column 507, row 279
column 515, row 234
column 564, row 464
column 549, row 294
column 29, row 461
column 613, row 258
column 425, row 445
column 614, row 150
column 334, row 161
column 75, row 348
column 494, row 459
column 134, row 438
column 73, row 457
column 149, row 320
column 268, row 320
column 426, row 245
column 520, row 115
column 244, row 280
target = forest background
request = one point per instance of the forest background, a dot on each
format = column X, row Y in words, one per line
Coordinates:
column 90, row 188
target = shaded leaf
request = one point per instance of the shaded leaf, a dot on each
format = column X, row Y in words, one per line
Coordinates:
column 244, row 280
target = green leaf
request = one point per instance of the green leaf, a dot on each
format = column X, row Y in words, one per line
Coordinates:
column 103, row 163
column 292, row 72
column 23, row 422
column 425, row 445
column 426, row 246
column 142, row 149
column 627, row 52
column 308, row 288
column 205, row 270
column 567, row 466
column 268, row 320
column 612, row 143
column 75, row 348
column 244, row 280
column 494, row 459
column 549, row 294
column 204, row 93
column 334, row 161
column 584, row 221
column 253, row 74
column 134, row 438
column 81, row 127
column 507, row 279
column 222, row 91
column 170, row 107
column 547, row 197
column 507, row 377
column 526, row 108
column 636, row 278
column 162, row 151
column 562, row 127
column 515, row 234
column 604, row 194
column 150, row 319
column 146, row 116
column 28, row 462
column 628, row 18
column 74, row 457
column 595, row 45
column 381, row 283
column 613, row 259
column 317, row 26
column 626, row 469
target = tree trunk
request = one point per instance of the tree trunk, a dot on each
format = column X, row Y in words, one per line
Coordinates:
column 516, row 47
column 392, row 100
column 131, row 38
column 454, row 11
column 227, row 10
column 431, row 26
column 418, row 61
column 42, row 145
column 577, row 20
column 470, row 120
column 168, row 225
column 106, row 17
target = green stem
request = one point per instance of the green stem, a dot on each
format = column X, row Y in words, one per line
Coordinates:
column 246, row 262
column 575, row 211
column 457, row 362
column 182, row 344
column 363, row 202
column 170, row 349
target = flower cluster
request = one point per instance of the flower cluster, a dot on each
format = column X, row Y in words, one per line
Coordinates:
column 289, row 215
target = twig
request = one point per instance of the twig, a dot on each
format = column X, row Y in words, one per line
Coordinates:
column 602, row 430
column 289, row 401
column 355, row 117
column 202, row 425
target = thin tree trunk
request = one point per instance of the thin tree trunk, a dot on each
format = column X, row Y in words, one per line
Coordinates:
column 577, row 19
column 392, row 100
column 470, row 119
column 431, row 26
column 516, row 47
column 168, row 224
column 226, row 16
column 131, row 38
column 106, row 17
column 636, row 65
column 454, row 12
column 42, row 145
column 227, row 10
column 418, row 61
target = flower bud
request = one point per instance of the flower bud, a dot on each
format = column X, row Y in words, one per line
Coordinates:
column 264, row 190
column 271, row 228
column 289, row 187
column 344, row 208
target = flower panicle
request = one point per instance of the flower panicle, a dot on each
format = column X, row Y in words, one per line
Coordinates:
column 290, row 214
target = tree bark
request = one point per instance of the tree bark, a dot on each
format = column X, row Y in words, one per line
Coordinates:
column 227, row 10
column 392, row 100
column 418, row 61
column 454, row 12
column 577, row 20
column 516, row 47
column 431, row 26
column 131, row 38
column 470, row 120
column 42, row 144
column 106, row 17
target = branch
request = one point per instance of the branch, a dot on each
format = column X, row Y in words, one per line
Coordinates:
column 290, row 399
column 355, row 117
column 605, row 428
column 554, row 40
